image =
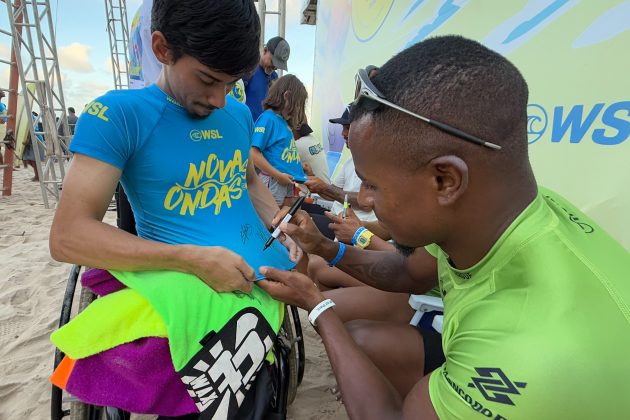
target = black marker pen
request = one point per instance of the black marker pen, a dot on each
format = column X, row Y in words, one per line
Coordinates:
column 294, row 208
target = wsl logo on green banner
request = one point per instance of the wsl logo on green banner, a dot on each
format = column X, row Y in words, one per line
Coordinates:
column 604, row 124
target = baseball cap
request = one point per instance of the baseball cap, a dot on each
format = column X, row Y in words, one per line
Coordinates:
column 345, row 118
column 280, row 51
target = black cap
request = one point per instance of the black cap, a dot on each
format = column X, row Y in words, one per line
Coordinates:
column 345, row 118
column 280, row 51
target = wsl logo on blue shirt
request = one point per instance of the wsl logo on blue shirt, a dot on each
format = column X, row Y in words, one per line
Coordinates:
column 603, row 124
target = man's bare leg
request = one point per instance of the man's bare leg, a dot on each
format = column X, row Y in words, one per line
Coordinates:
column 327, row 278
column 396, row 349
column 366, row 302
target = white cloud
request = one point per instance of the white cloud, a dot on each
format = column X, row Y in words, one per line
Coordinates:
column 80, row 93
column 76, row 57
column 108, row 66
column 4, row 77
column 5, row 69
column 5, row 52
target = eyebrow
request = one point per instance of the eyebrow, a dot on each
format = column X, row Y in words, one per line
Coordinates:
column 208, row 75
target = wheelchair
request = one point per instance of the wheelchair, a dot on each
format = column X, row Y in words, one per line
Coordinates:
column 288, row 350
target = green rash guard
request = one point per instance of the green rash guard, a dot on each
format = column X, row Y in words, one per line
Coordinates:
column 540, row 327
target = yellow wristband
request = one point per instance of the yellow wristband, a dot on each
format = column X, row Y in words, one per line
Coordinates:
column 364, row 239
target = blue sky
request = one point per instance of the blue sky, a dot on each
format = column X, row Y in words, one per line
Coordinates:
column 83, row 46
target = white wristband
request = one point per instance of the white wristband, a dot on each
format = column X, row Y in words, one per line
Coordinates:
column 318, row 310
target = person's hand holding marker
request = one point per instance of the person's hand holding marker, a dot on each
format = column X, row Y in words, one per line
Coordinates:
column 344, row 227
column 295, row 253
column 302, row 230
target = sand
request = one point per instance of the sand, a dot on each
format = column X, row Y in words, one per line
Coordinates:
column 31, row 292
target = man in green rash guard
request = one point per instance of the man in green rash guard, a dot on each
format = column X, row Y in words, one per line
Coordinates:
column 536, row 295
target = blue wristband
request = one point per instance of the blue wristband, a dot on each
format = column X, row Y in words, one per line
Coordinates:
column 339, row 256
column 355, row 238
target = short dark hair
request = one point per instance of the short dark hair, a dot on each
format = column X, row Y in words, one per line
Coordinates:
column 71, row 110
column 457, row 81
column 222, row 34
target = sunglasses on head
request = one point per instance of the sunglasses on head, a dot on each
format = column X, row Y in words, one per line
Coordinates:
column 366, row 89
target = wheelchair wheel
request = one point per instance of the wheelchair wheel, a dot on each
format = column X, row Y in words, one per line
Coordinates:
column 288, row 336
column 79, row 410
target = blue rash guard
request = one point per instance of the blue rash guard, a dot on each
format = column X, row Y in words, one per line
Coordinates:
column 185, row 177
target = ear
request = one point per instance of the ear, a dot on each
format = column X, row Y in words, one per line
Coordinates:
column 160, row 48
column 450, row 178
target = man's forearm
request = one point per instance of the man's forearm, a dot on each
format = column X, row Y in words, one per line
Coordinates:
column 384, row 270
column 263, row 201
column 93, row 243
column 365, row 391
column 376, row 228
column 377, row 244
column 335, row 193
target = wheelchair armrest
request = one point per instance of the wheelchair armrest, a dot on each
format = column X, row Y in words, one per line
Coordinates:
column 424, row 303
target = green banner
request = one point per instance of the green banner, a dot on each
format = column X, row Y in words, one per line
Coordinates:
column 574, row 55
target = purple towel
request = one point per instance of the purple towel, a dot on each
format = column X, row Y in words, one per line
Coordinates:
column 101, row 282
column 138, row 377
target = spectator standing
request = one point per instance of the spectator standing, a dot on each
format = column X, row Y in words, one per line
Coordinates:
column 275, row 56
column 273, row 148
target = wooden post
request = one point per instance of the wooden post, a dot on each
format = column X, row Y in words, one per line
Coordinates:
column 7, row 179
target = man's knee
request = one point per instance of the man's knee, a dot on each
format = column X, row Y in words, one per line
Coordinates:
column 315, row 266
column 359, row 330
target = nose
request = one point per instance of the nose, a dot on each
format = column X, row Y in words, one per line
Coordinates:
column 365, row 198
column 216, row 96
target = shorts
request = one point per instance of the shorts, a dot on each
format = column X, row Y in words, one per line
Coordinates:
column 433, row 352
column 279, row 191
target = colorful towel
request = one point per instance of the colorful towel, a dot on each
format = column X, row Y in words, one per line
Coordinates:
column 120, row 361
column 138, row 377
column 191, row 310
column 110, row 321
column 101, row 282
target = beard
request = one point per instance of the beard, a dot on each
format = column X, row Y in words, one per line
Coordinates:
column 196, row 116
column 404, row 250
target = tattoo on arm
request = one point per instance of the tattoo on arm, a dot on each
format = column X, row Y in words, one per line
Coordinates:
column 385, row 270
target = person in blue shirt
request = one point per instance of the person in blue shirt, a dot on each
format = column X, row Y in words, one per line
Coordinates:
column 3, row 118
column 273, row 147
column 275, row 56
column 180, row 148
column 3, row 109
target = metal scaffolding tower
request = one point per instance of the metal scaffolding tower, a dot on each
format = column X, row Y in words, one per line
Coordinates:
column 263, row 13
column 6, row 163
column 118, row 31
column 35, row 52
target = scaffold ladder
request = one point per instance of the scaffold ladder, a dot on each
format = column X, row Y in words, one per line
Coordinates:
column 118, row 31
column 36, row 60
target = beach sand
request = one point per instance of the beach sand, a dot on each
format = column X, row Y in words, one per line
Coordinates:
column 31, row 293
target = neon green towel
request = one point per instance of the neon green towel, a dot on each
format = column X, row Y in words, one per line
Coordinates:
column 191, row 309
column 110, row 321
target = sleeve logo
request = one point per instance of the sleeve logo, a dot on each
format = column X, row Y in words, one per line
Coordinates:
column 97, row 109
